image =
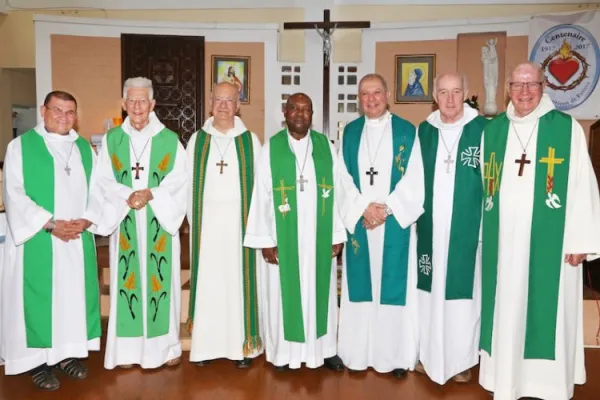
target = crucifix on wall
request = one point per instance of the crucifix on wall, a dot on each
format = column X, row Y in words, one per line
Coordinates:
column 325, row 29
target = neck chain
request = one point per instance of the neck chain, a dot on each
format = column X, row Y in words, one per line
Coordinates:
column 301, row 179
column 371, row 161
column 226, row 147
column 137, row 159
column 530, row 135
column 67, row 168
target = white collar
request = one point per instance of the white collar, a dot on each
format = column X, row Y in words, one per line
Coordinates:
column 469, row 114
column 154, row 126
column 54, row 137
column 238, row 128
column 546, row 105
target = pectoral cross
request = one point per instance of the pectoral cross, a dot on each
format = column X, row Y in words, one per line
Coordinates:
column 448, row 161
column 137, row 169
column 371, row 172
column 221, row 164
column 301, row 181
column 68, row 170
column 522, row 161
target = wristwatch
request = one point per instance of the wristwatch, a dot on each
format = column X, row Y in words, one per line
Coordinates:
column 388, row 210
column 50, row 227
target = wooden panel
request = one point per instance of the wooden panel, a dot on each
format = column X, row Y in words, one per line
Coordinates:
column 175, row 64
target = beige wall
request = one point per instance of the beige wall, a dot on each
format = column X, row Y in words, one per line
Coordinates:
column 17, row 87
column 446, row 61
column 77, row 58
column 17, row 33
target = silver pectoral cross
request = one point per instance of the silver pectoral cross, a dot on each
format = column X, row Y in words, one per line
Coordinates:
column 301, row 181
column 68, row 170
column 448, row 161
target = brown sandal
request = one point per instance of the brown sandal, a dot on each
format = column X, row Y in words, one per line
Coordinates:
column 43, row 378
column 174, row 362
column 73, row 367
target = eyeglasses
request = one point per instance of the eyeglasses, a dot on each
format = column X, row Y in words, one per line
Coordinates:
column 531, row 86
column 141, row 102
column 59, row 111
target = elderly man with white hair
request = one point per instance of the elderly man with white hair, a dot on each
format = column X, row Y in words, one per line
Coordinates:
column 142, row 176
column 541, row 219
column 448, row 244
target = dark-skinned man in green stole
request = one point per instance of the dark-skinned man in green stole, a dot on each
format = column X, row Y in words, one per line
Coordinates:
column 541, row 219
column 381, row 197
column 142, row 175
column 448, row 235
column 50, row 315
column 223, row 312
column 294, row 220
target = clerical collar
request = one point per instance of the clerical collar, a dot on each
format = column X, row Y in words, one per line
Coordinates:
column 380, row 120
column 56, row 137
column 469, row 114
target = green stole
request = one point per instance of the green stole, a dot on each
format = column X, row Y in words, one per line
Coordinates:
column 158, row 242
column 38, row 181
column 283, row 170
column 395, row 247
column 552, row 163
column 466, row 211
column 245, row 155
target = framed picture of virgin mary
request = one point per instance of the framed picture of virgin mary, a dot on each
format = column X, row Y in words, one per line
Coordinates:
column 414, row 78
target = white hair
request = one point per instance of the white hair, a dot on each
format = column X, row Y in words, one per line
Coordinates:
column 139, row 82
column 463, row 78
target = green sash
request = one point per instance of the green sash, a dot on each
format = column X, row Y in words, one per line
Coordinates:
column 245, row 154
column 38, row 180
column 395, row 247
column 547, row 229
column 283, row 170
column 158, row 242
column 466, row 211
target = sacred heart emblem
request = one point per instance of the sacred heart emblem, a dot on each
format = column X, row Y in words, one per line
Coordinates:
column 565, row 66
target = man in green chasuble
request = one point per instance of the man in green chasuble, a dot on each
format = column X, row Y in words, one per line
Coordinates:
column 142, row 176
column 224, row 312
column 381, row 197
column 294, row 220
column 448, row 235
column 541, row 219
column 50, row 315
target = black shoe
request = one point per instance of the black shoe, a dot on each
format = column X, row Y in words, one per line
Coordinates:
column 282, row 368
column 399, row 373
column 245, row 363
column 201, row 363
column 73, row 367
column 43, row 378
column 334, row 363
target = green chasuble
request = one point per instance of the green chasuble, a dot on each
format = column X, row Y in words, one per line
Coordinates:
column 552, row 161
column 245, row 155
column 466, row 211
column 283, row 171
column 395, row 247
column 38, row 179
column 158, row 242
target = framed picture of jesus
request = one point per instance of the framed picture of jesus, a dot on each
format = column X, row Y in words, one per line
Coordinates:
column 233, row 69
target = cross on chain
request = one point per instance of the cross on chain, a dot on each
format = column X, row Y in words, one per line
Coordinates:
column 371, row 172
column 327, row 26
column 522, row 161
column 221, row 164
column 137, row 170
column 301, row 181
column 448, row 161
column 68, row 170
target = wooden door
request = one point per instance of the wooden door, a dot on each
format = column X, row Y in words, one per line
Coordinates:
column 175, row 64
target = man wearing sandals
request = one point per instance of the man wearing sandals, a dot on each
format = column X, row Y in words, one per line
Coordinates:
column 142, row 177
column 50, row 315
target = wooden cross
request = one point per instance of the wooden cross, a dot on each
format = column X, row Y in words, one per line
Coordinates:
column 137, row 170
column 448, row 161
column 371, row 172
column 221, row 164
column 327, row 27
column 522, row 161
column 301, row 181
